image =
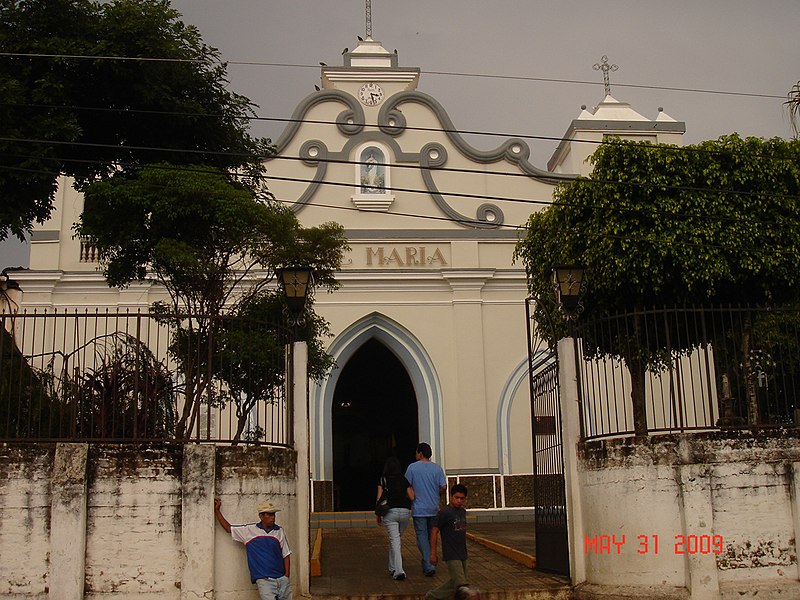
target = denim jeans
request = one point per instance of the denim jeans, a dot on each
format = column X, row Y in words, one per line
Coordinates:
column 274, row 589
column 422, row 527
column 396, row 521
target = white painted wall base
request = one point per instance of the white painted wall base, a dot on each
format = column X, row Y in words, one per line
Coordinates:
column 705, row 516
column 135, row 523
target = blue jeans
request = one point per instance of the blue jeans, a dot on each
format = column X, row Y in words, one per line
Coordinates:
column 396, row 521
column 274, row 589
column 423, row 527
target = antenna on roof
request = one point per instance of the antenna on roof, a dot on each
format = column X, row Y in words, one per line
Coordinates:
column 605, row 68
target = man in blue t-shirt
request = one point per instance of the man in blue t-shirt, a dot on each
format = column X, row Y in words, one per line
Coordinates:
column 427, row 479
column 268, row 554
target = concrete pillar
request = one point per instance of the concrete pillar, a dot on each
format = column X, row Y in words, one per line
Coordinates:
column 697, row 518
column 467, row 417
column 794, row 490
column 68, row 522
column 197, row 521
column 570, row 432
column 301, row 554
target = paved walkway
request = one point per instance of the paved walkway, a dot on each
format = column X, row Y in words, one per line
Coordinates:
column 354, row 565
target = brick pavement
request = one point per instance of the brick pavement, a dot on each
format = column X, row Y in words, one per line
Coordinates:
column 354, row 566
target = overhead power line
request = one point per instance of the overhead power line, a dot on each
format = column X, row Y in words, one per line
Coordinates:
column 430, row 72
column 483, row 197
column 603, row 142
column 520, row 227
column 659, row 186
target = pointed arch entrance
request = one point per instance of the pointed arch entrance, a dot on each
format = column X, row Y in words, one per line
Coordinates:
column 410, row 356
column 374, row 416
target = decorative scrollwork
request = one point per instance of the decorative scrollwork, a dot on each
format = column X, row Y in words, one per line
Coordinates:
column 350, row 122
column 392, row 122
column 434, row 156
column 312, row 152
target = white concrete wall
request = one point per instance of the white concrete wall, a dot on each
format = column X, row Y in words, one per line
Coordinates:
column 144, row 516
column 723, row 508
column 706, row 516
column 25, row 520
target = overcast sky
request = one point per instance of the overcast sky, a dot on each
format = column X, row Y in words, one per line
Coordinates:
column 742, row 55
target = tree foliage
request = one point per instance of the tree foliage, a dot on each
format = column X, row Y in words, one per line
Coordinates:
column 214, row 244
column 78, row 96
column 248, row 356
column 654, row 224
column 717, row 222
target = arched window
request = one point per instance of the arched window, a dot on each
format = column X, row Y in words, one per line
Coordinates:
column 373, row 170
column 373, row 189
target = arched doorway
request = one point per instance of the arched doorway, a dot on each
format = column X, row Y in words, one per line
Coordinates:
column 374, row 416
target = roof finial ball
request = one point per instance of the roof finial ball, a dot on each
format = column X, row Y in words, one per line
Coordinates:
column 583, row 107
column 660, row 109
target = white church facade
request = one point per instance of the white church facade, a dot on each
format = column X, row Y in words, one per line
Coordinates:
column 429, row 331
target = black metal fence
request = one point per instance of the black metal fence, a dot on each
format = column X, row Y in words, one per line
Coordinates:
column 681, row 369
column 122, row 377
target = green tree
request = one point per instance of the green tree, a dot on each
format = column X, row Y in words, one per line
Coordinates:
column 715, row 222
column 88, row 88
column 214, row 244
column 249, row 357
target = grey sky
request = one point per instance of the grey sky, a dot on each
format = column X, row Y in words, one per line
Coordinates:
column 748, row 46
column 740, row 46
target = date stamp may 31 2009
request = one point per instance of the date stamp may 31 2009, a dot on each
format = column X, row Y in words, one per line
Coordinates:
column 652, row 544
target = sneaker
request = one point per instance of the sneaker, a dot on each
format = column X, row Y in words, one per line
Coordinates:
column 399, row 576
column 430, row 573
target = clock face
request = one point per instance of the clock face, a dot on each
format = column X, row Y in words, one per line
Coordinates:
column 370, row 94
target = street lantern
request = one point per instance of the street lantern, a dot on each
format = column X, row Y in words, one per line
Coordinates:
column 568, row 284
column 296, row 283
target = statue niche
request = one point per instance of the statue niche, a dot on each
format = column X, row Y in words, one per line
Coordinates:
column 373, row 171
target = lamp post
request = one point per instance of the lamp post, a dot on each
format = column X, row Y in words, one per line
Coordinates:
column 297, row 284
column 568, row 286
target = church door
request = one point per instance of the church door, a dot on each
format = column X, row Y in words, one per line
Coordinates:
column 374, row 417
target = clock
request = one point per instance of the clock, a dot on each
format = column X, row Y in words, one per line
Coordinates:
column 370, row 94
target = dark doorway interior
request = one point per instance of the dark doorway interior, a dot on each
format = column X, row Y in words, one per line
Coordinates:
column 374, row 417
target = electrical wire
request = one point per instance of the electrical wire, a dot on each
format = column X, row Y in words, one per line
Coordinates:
column 520, row 227
column 590, row 181
column 543, row 203
column 430, row 72
column 462, row 132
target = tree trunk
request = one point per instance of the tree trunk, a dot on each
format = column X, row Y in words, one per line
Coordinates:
column 637, row 371
column 753, row 414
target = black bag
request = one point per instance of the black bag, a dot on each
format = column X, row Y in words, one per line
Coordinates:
column 382, row 506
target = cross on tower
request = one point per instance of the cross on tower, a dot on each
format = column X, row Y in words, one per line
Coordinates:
column 369, row 19
column 605, row 68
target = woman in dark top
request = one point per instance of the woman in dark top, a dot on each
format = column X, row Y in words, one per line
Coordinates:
column 400, row 495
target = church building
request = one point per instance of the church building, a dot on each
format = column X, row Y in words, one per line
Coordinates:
column 429, row 331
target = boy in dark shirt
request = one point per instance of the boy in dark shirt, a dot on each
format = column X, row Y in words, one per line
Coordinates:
column 451, row 523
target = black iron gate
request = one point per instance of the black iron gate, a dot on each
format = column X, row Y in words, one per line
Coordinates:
column 552, row 546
